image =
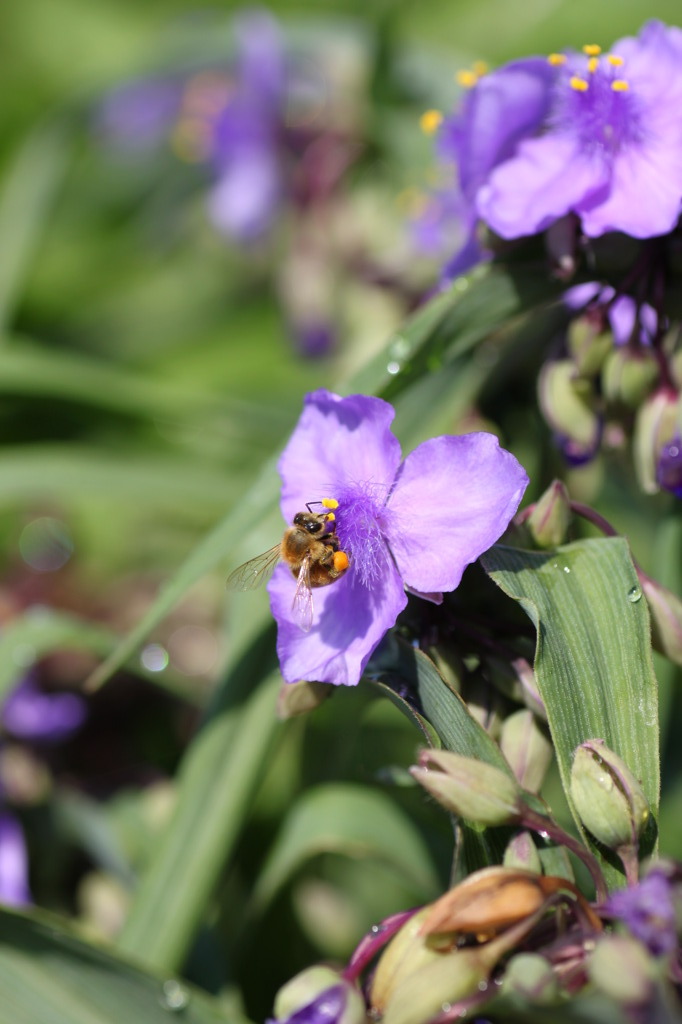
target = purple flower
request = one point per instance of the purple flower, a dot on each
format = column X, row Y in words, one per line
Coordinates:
column 327, row 1008
column 245, row 138
column 648, row 912
column 501, row 109
column 30, row 714
column 14, row 888
column 609, row 150
column 628, row 319
column 138, row 115
column 669, row 467
column 415, row 524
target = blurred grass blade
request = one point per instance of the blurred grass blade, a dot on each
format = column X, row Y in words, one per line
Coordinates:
column 353, row 821
column 593, row 657
column 40, row 631
column 27, row 192
column 218, row 779
column 50, row 976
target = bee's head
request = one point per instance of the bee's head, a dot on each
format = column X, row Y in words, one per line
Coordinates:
column 310, row 522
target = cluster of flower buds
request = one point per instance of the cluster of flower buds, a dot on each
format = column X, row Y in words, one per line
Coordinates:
column 511, row 937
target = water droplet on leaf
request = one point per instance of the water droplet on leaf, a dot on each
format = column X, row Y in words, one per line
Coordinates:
column 634, row 594
column 174, row 996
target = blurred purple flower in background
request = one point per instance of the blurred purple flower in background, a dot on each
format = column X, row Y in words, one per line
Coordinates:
column 647, row 910
column 629, row 320
column 416, row 524
column 14, row 888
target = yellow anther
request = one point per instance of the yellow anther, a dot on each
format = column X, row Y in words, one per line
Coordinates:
column 592, row 64
column 189, row 140
column 467, row 79
column 329, row 503
column 480, row 68
column 620, row 85
column 614, row 60
column 579, row 84
column 556, row 59
column 592, row 50
column 430, row 121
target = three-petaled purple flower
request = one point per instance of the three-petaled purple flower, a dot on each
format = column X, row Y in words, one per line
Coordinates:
column 609, row 149
column 412, row 524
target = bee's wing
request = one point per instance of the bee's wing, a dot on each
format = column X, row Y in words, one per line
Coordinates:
column 254, row 572
column 302, row 605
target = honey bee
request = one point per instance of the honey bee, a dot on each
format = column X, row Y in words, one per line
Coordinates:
column 313, row 553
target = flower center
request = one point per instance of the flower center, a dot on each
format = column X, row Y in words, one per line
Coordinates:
column 358, row 518
column 595, row 102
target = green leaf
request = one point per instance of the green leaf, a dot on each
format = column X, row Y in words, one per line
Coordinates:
column 47, row 973
column 26, row 195
column 218, row 778
column 593, row 657
column 353, row 821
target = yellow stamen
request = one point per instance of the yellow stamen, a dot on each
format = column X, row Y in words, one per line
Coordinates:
column 467, row 79
column 592, row 50
column 556, row 59
column 329, row 503
column 189, row 140
column 480, row 68
column 330, row 517
column 592, row 64
column 341, row 561
column 614, row 60
column 579, row 84
column 430, row 121
column 620, row 85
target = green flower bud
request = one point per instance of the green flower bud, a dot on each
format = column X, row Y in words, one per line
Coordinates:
column 469, row 788
column 568, row 402
column 588, row 345
column 665, row 609
column 407, row 953
column 657, row 423
column 531, row 976
column 521, row 852
column 526, row 748
column 607, row 796
column 447, row 979
column 548, row 522
column 622, row 968
column 313, row 982
column 628, row 377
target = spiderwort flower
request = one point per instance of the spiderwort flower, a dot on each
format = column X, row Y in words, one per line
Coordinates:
column 415, row 524
column 648, row 912
column 609, row 150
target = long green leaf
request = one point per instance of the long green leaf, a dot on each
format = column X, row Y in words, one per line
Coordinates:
column 593, row 657
column 350, row 820
column 26, row 195
column 50, row 976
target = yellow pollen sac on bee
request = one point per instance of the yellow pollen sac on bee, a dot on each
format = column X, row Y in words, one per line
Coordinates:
column 620, row 85
column 615, row 61
column 430, row 121
column 591, row 50
column 329, row 503
column 592, row 64
column 579, row 84
column 467, row 79
column 330, row 517
column 341, row 561
column 556, row 59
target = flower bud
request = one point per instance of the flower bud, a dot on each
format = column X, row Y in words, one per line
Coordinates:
column 447, row 979
column 526, row 748
column 320, row 995
column 656, row 425
column 607, row 796
column 300, row 698
column 629, row 376
column 621, row 968
column 531, row 976
column 521, row 852
column 567, row 402
column 665, row 609
column 548, row 522
column 588, row 344
column 468, row 788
